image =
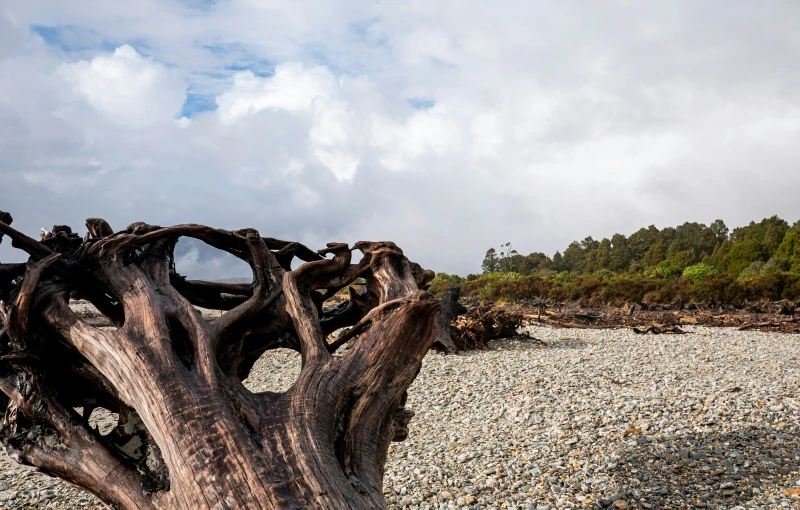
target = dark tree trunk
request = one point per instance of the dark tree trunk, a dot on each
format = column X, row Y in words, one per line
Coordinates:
column 444, row 317
column 190, row 435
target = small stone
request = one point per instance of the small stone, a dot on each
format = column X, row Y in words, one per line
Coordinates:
column 620, row 504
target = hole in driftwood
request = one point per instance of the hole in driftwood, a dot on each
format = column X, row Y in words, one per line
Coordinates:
column 181, row 342
column 103, row 420
column 198, row 261
column 276, row 370
column 90, row 314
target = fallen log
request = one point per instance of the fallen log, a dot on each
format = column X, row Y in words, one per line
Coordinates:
column 753, row 325
column 658, row 329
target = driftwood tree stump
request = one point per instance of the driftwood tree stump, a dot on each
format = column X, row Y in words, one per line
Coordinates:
column 446, row 335
column 480, row 325
column 190, row 435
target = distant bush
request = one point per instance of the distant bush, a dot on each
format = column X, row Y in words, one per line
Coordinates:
column 777, row 264
column 624, row 289
column 442, row 282
column 699, row 271
column 678, row 288
column 772, row 286
column 752, row 269
column 525, row 287
column 715, row 287
column 666, row 270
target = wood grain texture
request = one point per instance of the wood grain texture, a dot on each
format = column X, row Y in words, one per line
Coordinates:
column 190, row 435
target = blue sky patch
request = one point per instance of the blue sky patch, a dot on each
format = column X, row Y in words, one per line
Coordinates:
column 421, row 103
column 236, row 57
column 70, row 38
column 197, row 103
column 203, row 5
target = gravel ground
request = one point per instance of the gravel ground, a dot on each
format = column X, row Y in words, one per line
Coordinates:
column 599, row 418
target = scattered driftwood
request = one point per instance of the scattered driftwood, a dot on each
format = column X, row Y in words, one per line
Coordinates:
column 747, row 315
column 781, row 326
column 190, row 435
column 588, row 316
column 658, row 329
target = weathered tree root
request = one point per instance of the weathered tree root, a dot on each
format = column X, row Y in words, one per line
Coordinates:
column 483, row 324
column 190, row 435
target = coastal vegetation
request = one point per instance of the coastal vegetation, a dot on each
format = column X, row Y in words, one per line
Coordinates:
column 692, row 262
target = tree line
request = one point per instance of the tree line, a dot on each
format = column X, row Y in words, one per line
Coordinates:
column 689, row 255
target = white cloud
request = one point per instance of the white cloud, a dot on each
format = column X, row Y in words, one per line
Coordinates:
column 334, row 139
column 127, row 87
column 423, row 133
column 550, row 122
column 293, row 88
column 314, row 97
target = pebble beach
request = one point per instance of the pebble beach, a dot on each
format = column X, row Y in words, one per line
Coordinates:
column 596, row 419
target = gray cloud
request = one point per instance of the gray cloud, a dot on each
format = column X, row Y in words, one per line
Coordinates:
column 548, row 122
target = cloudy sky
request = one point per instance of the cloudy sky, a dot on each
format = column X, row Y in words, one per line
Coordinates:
column 445, row 126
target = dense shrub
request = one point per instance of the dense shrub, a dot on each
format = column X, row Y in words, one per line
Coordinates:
column 772, row 286
column 752, row 269
column 714, row 288
column 699, row 271
column 525, row 287
column 666, row 270
column 679, row 288
column 442, row 282
column 629, row 288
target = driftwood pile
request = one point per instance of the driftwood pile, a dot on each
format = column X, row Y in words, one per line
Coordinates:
column 483, row 324
column 459, row 328
column 780, row 316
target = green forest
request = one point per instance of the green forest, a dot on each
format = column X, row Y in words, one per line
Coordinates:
column 692, row 262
